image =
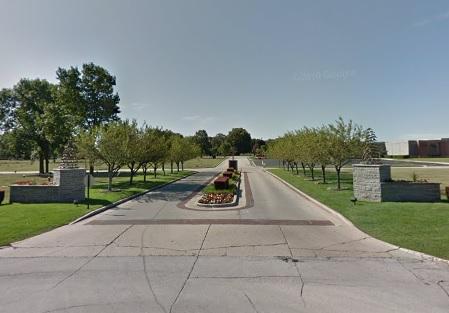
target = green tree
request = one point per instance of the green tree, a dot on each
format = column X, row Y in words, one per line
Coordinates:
column 111, row 147
column 156, row 152
column 86, row 144
column 202, row 140
column 324, row 147
column 240, row 140
column 34, row 115
column 89, row 94
column 176, row 150
column 134, row 147
column 216, row 142
column 8, row 103
column 345, row 143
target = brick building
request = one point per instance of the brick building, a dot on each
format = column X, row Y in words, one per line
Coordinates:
column 419, row 148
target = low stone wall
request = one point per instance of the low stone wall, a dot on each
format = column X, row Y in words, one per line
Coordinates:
column 372, row 182
column 68, row 185
column 33, row 193
column 410, row 191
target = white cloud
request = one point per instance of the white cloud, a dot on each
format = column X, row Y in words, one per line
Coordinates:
column 423, row 136
column 432, row 19
column 137, row 105
column 199, row 119
column 191, row 117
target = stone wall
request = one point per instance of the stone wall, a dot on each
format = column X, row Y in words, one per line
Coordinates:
column 410, row 191
column 68, row 185
column 367, row 180
column 71, row 184
column 33, row 193
column 372, row 182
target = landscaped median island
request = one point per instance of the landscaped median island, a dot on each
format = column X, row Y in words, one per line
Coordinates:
column 19, row 220
column 422, row 227
column 223, row 190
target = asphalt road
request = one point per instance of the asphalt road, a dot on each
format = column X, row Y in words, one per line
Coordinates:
column 280, row 253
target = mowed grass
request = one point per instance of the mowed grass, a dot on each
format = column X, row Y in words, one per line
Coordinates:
column 430, row 159
column 20, row 165
column 434, row 175
column 9, row 179
column 233, row 182
column 27, row 165
column 203, row 162
column 19, row 221
column 418, row 226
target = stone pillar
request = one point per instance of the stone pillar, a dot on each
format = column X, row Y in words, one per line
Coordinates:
column 71, row 183
column 367, row 180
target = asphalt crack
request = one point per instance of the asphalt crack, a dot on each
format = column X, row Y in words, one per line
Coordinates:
column 190, row 272
column 92, row 258
column 147, row 277
column 294, row 262
column 439, row 283
column 251, row 303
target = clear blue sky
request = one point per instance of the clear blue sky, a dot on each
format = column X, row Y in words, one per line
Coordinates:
column 268, row 66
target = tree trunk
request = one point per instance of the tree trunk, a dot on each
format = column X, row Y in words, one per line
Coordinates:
column 110, row 178
column 41, row 163
column 303, row 168
column 182, row 165
column 47, row 162
column 144, row 167
column 338, row 178
column 155, row 171
column 177, row 166
column 171, row 167
column 312, row 168
column 131, row 174
column 296, row 165
column 323, row 170
column 163, row 167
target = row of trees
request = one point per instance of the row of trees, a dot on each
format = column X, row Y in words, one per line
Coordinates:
column 124, row 144
column 237, row 141
column 329, row 145
column 37, row 118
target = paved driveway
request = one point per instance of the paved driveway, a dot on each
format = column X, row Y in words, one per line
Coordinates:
column 279, row 254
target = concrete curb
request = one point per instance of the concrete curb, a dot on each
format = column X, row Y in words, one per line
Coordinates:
column 347, row 221
column 114, row 204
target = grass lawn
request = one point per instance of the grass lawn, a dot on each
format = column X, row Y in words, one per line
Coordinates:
column 418, row 226
column 430, row 159
column 20, row 165
column 27, row 165
column 19, row 221
column 434, row 175
column 202, row 162
column 233, row 181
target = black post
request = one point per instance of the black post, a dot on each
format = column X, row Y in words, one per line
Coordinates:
column 88, row 191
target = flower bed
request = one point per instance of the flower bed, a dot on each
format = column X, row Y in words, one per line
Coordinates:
column 222, row 191
column 24, row 182
column 216, row 198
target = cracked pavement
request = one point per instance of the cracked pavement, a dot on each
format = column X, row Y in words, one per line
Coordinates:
column 126, row 263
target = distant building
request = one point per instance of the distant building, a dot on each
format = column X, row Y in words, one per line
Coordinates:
column 402, row 148
column 419, row 148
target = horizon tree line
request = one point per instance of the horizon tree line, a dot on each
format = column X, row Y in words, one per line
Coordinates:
column 335, row 144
